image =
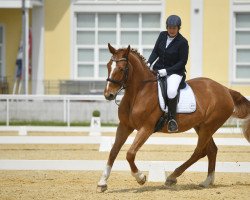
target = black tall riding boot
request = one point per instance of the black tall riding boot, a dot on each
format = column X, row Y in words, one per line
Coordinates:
column 172, row 106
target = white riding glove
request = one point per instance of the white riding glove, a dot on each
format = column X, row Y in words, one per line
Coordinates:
column 149, row 65
column 162, row 72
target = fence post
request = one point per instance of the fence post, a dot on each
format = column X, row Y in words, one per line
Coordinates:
column 7, row 112
column 64, row 109
column 237, row 123
column 68, row 113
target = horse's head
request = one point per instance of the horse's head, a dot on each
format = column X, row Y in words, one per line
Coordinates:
column 117, row 72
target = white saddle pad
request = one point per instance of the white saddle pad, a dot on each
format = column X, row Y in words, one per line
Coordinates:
column 186, row 104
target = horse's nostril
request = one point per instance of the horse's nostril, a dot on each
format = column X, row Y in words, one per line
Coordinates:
column 109, row 96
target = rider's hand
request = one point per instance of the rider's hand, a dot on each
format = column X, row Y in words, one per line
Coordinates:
column 149, row 65
column 162, row 72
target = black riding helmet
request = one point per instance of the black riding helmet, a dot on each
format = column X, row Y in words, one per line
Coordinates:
column 173, row 20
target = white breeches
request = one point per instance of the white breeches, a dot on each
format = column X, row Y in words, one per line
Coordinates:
column 173, row 82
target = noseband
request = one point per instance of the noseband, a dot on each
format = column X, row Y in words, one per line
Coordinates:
column 124, row 79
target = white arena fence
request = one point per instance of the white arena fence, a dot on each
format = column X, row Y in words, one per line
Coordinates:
column 106, row 142
column 61, row 108
column 156, row 169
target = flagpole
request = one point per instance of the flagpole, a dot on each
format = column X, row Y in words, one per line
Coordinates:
column 25, row 35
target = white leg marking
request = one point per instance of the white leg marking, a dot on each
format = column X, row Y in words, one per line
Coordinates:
column 139, row 176
column 105, row 176
column 209, row 181
column 113, row 66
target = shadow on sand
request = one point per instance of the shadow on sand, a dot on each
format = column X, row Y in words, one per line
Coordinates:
column 180, row 187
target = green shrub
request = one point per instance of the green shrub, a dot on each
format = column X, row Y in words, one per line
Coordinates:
column 96, row 113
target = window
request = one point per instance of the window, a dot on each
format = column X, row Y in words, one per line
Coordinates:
column 94, row 30
column 241, row 44
column 1, row 52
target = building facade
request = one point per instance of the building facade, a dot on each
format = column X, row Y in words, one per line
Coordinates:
column 70, row 37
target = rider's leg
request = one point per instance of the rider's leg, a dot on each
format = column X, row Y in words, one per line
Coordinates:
column 173, row 82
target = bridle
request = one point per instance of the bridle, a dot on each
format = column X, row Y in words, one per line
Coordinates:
column 124, row 79
column 123, row 82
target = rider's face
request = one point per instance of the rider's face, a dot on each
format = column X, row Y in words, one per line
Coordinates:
column 172, row 30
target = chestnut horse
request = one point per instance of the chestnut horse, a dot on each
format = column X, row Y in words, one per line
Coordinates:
column 139, row 110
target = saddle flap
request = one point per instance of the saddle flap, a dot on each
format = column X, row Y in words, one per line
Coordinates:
column 187, row 101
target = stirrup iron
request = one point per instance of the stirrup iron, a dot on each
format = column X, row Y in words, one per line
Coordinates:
column 172, row 126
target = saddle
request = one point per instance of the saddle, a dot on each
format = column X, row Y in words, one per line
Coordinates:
column 186, row 101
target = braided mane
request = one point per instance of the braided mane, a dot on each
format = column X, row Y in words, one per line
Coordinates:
column 142, row 59
column 136, row 53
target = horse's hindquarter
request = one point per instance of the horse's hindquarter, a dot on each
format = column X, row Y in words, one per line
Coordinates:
column 213, row 103
column 212, row 98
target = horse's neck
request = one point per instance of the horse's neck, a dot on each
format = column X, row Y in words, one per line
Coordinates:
column 137, row 75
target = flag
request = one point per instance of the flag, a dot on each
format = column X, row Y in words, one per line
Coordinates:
column 19, row 59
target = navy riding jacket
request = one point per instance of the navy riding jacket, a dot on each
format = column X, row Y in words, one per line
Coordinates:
column 173, row 58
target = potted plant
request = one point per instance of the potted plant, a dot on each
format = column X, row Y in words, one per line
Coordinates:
column 95, row 125
column 96, row 113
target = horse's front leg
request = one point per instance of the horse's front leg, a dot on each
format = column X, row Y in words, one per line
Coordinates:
column 122, row 134
column 141, row 137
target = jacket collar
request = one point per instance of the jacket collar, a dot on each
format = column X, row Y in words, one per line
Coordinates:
column 177, row 37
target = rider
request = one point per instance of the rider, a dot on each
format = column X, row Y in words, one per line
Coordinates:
column 171, row 49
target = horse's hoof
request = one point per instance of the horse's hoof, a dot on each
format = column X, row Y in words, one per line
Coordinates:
column 205, row 184
column 209, row 181
column 101, row 188
column 143, row 180
column 170, row 182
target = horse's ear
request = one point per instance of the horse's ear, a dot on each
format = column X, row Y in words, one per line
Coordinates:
column 127, row 51
column 111, row 49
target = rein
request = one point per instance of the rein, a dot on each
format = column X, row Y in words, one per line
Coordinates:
column 151, row 80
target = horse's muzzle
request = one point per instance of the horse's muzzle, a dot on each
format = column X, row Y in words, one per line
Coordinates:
column 109, row 96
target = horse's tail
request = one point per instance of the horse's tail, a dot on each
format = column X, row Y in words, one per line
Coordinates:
column 242, row 111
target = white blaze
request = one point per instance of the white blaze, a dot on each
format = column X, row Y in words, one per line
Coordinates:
column 113, row 66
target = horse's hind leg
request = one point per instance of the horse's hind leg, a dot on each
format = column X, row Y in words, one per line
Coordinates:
column 211, row 154
column 199, row 152
column 122, row 134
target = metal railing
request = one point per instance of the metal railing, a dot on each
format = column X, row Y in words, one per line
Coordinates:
column 66, row 108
